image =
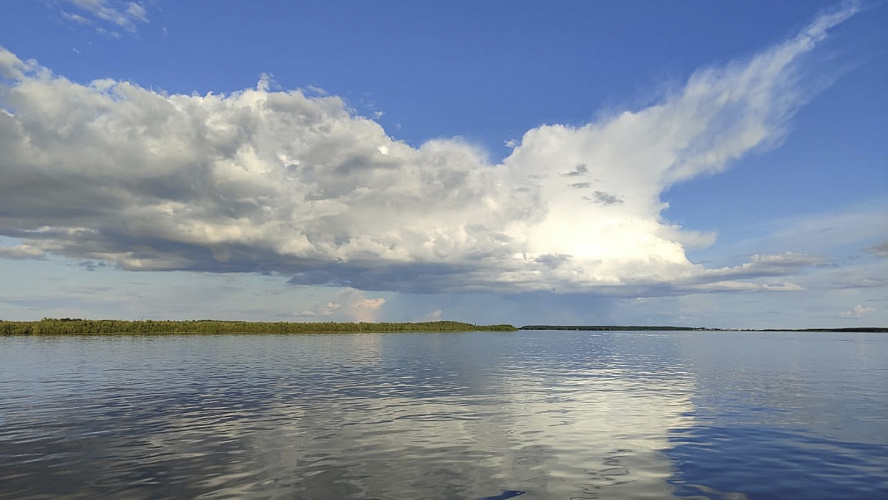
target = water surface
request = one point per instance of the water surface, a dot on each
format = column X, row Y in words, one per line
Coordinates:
column 554, row 414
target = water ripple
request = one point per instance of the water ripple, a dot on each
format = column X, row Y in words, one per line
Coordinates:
column 462, row 416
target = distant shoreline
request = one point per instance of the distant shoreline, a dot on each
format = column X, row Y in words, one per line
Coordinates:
column 613, row 328
column 68, row 326
column 76, row 326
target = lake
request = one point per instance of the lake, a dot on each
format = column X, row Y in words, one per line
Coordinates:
column 527, row 415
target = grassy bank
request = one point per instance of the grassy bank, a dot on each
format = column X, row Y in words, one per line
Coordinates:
column 67, row 326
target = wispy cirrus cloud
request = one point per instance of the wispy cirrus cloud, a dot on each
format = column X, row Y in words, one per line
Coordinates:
column 107, row 17
column 260, row 181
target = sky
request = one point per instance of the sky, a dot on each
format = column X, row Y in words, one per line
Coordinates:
column 714, row 164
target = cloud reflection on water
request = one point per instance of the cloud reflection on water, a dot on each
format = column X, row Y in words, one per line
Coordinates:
column 463, row 416
column 391, row 416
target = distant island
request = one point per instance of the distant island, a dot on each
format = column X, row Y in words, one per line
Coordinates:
column 609, row 328
column 76, row 326
column 614, row 328
column 71, row 326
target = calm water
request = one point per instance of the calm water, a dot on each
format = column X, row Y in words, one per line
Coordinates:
column 450, row 416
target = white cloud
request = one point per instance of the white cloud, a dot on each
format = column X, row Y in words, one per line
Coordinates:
column 135, row 11
column 107, row 15
column 330, row 308
column 21, row 252
column 76, row 18
column 263, row 180
column 348, row 304
column 857, row 311
column 366, row 310
column 435, row 315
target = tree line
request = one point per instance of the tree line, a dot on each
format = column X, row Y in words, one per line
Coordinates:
column 611, row 328
column 76, row 326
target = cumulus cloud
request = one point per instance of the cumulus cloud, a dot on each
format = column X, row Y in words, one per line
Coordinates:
column 260, row 181
column 857, row 311
column 435, row 315
column 348, row 305
column 366, row 309
column 107, row 16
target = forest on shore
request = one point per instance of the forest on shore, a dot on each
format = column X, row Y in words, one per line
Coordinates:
column 73, row 326
column 76, row 326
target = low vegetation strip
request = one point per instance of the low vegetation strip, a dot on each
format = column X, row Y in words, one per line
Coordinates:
column 67, row 326
column 611, row 328
column 596, row 328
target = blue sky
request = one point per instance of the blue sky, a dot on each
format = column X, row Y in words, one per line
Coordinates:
column 690, row 163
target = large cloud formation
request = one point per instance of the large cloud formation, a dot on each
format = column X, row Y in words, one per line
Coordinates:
column 277, row 181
